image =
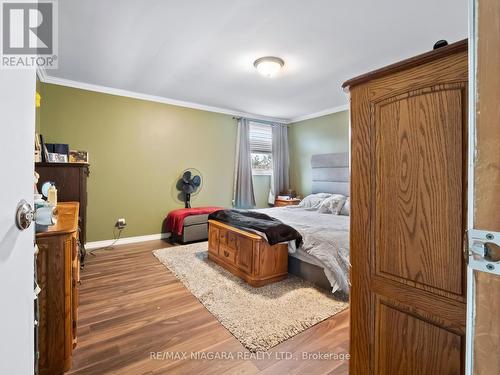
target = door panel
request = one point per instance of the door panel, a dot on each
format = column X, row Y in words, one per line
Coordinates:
column 17, row 124
column 418, row 182
column 245, row 254
column 423, row 348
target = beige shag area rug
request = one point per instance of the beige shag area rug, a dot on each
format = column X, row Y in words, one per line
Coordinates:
column 259, row 318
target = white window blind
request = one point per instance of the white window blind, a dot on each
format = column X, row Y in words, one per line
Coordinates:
column 261, row 138
column 261, row 147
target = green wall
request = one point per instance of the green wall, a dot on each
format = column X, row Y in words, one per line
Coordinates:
column 320, row 135
column 37, row 109
column 137, row 149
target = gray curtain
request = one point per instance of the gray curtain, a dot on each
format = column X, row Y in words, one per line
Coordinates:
column 243, row 185
column 281, row 161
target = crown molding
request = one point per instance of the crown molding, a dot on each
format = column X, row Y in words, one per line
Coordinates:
column 43, row 77
column 41, row 73
column 324, row 112
column 152, row 98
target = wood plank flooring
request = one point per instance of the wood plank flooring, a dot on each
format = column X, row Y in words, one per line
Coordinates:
column 134, row 314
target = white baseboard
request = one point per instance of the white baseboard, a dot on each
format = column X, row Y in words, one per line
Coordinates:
column 126, row 240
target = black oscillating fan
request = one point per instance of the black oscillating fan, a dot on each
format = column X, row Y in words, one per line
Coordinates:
column 189, row 184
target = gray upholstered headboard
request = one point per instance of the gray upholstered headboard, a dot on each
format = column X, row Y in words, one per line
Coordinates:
column 330, row 173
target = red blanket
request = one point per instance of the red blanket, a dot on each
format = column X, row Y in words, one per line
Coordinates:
column 175, row 218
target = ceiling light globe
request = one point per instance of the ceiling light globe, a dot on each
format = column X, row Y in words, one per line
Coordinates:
column 269, row 66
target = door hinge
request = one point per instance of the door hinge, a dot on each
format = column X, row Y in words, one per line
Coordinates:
column 484, row 251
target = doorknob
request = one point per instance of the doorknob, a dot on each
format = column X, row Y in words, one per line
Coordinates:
column 491, row 252
column 24, row 215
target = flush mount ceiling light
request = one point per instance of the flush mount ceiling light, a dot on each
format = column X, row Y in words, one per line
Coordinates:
column 269, row 66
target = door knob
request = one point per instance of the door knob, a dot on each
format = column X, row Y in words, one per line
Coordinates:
column 491, row 252
column 24, row 215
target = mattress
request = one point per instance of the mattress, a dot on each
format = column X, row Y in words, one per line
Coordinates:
column 325, row 241
column 302, row 255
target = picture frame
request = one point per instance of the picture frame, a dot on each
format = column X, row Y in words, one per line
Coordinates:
column 76, row 156
column 57, row 158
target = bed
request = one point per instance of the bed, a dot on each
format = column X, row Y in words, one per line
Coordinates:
column 323, row 258
column 312, row 244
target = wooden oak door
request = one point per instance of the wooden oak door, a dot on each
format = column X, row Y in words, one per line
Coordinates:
column 408, row 210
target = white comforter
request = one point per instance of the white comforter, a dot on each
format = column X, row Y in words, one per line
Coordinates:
column 325, row 236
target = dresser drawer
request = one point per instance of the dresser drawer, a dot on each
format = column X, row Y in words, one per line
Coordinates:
column 228, row 254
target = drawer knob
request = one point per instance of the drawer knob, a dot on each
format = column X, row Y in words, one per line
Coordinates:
column 226, row 254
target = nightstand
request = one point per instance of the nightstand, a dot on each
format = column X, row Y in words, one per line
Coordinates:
column 286, row 202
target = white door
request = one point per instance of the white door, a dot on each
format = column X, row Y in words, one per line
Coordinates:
column 17, row 129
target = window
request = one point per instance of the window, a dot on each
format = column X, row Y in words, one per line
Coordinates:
column 261, row 147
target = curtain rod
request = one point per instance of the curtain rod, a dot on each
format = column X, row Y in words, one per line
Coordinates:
column 257, row 120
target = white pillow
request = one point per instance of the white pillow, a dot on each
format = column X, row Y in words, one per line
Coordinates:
column 333, row 204
column 313, row 201
column 346, row 210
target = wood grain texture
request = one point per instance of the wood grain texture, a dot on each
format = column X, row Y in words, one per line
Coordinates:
column 58, row 301
column 246, row 255
column 444, row 312
column 487, row 324
column 487, row 181
column 71, row 183
column 408, row 183
column 130, row 305
column 67, row 221
column 361, row 301
column 487, row 163
column 418, row 178
column 422, row 348
column 404, row 65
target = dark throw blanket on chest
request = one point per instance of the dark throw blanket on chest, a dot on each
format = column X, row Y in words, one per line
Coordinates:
column 274, row 229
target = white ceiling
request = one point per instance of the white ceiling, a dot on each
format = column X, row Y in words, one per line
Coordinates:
column 202, row 51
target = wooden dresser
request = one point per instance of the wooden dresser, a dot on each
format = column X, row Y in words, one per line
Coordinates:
column 246, row 254
column 71, row 183
column 58, row 272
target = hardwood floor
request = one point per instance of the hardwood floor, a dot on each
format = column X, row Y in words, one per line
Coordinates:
column 134, row 313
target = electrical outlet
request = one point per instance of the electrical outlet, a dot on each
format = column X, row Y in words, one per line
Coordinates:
column 121, row 223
